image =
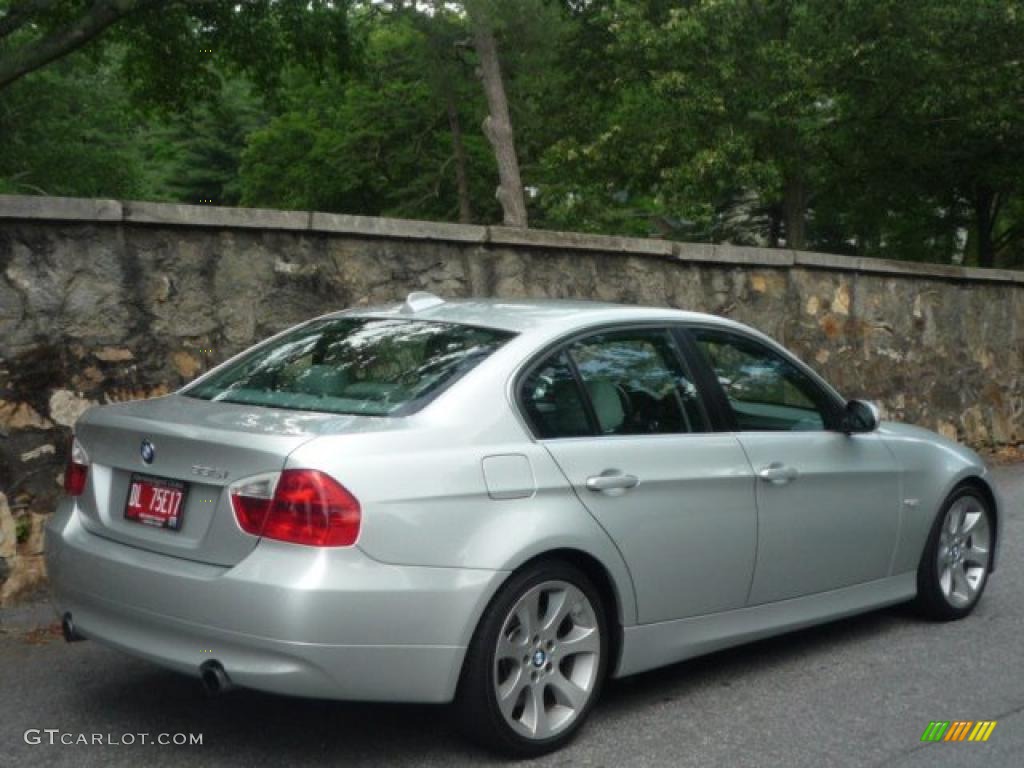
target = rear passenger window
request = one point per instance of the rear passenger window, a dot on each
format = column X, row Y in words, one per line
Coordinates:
column 637, row 385
column 553, row 402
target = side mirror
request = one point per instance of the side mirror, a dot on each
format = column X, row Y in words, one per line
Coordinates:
column 860, row 416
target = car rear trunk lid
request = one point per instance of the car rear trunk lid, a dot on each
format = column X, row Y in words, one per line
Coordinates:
column 205, row 445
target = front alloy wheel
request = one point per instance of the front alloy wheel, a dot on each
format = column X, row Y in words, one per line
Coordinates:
column 957, row 557
column 536, row 663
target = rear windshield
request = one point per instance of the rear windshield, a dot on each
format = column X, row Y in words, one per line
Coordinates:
column 354, row 365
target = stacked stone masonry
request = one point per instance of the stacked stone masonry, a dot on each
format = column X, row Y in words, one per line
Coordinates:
column 103, row 301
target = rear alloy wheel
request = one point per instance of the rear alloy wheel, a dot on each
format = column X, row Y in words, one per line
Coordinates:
column 955, row 564
column 537, row 662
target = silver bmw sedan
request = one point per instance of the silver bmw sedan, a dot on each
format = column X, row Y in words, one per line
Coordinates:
column 501, row 503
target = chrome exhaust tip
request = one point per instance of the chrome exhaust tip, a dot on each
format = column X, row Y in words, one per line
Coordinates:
column 214, row 679
column 67, row 627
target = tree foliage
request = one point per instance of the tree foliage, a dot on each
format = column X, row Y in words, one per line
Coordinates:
column 378, row 142
column 870, row 127
column 169, row 42
column 70, row 131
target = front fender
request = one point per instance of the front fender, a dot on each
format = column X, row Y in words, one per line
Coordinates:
column 931, row 467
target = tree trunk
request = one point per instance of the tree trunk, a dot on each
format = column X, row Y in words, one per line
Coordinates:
column 461, row 164
column 497, row 125
column 794, row 209
column 774, row 226
column 985, row 220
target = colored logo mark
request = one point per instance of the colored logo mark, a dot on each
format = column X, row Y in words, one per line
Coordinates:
column 958, row 730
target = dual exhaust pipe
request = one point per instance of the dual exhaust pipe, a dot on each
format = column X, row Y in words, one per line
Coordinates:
column 212, row 676
column 67, row 628
column 214, row 679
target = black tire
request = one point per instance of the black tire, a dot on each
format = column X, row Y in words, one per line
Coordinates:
column 931, row 601
column 476, row 702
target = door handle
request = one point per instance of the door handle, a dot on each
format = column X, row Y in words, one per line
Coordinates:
column 778, row 473
column 612, row 480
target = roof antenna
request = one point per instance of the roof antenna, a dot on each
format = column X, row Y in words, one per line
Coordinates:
column 417, row 301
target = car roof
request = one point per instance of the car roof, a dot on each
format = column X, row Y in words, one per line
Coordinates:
column 541, row 320
column 521, row 315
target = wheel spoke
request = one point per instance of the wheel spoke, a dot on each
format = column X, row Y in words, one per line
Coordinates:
column 956, row 518
column 512, row 649
column 559, row 604
column 528, row 613
column 534, row 716
column 580, row 640
column 946, row 580
column 510, row 691
column 567, row 693
column 976, row 555
column 974, row 575
column 961, row 587
column 970, row 520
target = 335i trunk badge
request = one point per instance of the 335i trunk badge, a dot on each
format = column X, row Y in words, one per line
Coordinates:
column 214, row 472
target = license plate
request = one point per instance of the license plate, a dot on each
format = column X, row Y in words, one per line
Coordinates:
column 155, row 501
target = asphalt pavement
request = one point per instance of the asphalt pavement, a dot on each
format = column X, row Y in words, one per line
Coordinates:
column 859, row 692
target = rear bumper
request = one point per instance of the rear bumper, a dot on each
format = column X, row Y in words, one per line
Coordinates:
column 327, row 623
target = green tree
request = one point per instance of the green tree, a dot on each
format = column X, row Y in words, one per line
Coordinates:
column 935, row 114
column 167, row 98
column 377, row 142
column 720, row 105
column 71, row 131
column 194, row 155
column 170, row 41
column 872, row 127
column 876, row 127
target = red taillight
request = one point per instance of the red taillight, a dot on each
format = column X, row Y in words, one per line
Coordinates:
column 77, row 469
column 302, row 506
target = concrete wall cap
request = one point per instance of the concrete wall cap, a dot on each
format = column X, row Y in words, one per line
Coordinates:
column 406, row 229
column 214, row 216
column 29, row 208
column 59, row 208
column 545, row 238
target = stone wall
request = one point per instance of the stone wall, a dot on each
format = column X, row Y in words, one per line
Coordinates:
column 103, row 301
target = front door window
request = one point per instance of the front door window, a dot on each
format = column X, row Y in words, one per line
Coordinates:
column 766, row 392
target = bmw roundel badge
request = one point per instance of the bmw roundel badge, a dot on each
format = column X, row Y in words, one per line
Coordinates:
column 148, row 451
